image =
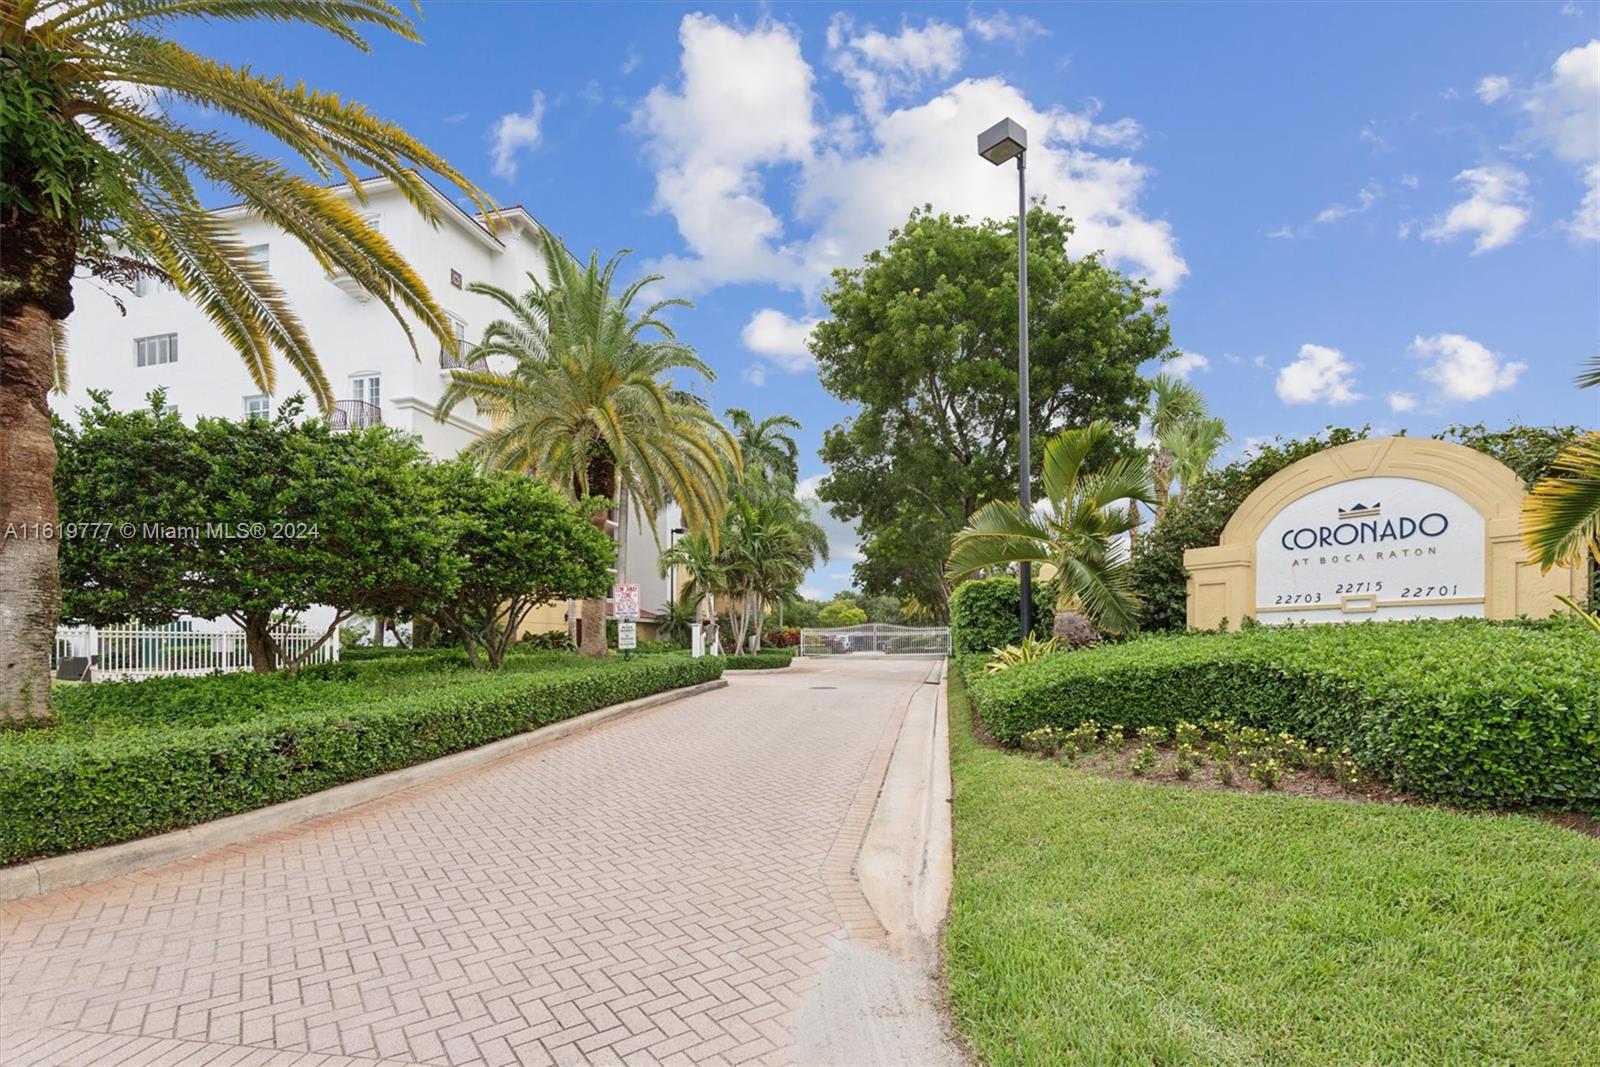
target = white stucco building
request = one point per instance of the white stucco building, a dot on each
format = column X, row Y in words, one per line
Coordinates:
column 164, row 341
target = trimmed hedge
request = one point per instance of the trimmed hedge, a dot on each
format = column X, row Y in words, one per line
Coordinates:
column 74, row 786
column 1465, row 711
column 765, row 660
column 985, row 613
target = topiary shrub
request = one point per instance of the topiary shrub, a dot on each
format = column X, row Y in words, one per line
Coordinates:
column 984, row 613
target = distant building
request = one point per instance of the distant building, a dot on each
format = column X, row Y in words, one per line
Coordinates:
column 157, row 338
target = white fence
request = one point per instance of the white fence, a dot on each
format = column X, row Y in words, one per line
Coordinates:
column 126, row 652
column 877, row 637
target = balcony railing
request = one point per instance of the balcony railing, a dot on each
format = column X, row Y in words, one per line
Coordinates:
column 466, row 358
column 354, row 415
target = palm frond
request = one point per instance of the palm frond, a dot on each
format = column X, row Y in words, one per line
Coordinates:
column 1561, row 513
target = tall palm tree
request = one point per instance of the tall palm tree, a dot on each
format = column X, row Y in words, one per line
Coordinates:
column 1174, row 402
column 587, row 402
column 99, row 178
column 1191, row 445
column 767, row 445
column 697, row 555
column 1077, row 535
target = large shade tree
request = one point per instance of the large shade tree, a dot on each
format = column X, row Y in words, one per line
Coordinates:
column 922, row 342
column 578, row 383
column 98, row 180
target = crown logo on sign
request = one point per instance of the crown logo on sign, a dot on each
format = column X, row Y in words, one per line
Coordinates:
column 1359, row 511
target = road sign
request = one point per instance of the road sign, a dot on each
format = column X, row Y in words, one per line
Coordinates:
column 627, row 637
column 625, row 601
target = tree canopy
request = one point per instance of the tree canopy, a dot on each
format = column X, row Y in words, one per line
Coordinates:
column 922, row 340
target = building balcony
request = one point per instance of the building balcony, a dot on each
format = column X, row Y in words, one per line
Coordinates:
column 466, row 358
column 348, row 285
column 354, row 415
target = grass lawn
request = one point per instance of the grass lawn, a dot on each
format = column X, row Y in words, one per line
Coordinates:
column 1114, row 922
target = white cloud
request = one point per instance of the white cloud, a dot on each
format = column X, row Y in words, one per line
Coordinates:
column 745, row 102
column 877, row 66
column 515, row 133
column 1401, row 402
column 1317, row 375
column 1492, row 87
column 631, row 60
column 1585, row 224
column 1495, row 209
column 780, row 338
column 755, row 374
column 1185, row 364
column 1368, row 196
column 746, row 108
column 1563, row 111
column 1001, row 25
column 1462, row 368
column 844, row 545
column 1410, row 181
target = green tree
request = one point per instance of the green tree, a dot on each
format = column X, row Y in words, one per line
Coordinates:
column 1077, row 534
column 841, row 613
column 268, row 517
column 588, row 404
column 516, row 543
column 94, row 178
column 767, row 445
column 921, row 339
column 1174, row 404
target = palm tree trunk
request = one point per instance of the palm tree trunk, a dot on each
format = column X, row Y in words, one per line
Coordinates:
column 593, row 630
column 30, row 589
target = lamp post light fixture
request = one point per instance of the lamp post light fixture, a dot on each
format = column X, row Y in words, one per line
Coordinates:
column 1000, row 143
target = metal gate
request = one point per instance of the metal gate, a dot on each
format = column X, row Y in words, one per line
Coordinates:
column 876, row 638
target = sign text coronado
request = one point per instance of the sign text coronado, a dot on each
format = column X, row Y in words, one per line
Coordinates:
column 1371, row 531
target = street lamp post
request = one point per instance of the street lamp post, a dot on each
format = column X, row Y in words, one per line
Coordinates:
column 1000, row 143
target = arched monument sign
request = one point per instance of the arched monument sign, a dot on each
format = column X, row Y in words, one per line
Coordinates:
column 1395, row 528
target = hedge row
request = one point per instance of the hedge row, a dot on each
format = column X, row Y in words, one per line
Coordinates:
column 765, row 660
column 85, row 791
column 1465, row 712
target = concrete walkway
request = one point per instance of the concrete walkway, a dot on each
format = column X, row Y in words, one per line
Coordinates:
column 670, row 888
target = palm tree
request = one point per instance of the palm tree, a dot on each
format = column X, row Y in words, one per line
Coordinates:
column 766, row 445
column 770, row 541
column 1561, row 513
column 587, row 403
column 97, row 178
column 1191, row 445
column 697, row 554
column 1077, row 535
column 1174, row 403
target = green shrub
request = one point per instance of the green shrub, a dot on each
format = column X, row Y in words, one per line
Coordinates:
column 765, row 660
column 119, row 768
column 1464, row 711
column 985, row 612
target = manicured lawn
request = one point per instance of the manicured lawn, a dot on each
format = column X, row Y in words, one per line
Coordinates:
column 1113, row 922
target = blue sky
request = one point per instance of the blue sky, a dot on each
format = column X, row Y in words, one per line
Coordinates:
column 1385, row 214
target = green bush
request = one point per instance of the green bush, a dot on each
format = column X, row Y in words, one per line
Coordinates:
column 128, row 760
column 984, row 613
column 765, row 660
column 1465, row 711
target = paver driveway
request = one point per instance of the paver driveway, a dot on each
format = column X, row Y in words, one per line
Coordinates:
column 661, row 889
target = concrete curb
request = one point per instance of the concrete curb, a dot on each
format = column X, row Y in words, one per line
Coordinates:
column 80, row 868
column 905, row 865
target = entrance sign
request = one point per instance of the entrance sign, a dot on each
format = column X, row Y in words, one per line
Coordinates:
column 625, row 601
column 1395, row 528
column 1384, row 548
column 627, row 635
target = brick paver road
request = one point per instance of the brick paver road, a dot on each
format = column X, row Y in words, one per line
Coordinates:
column 661, row 889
